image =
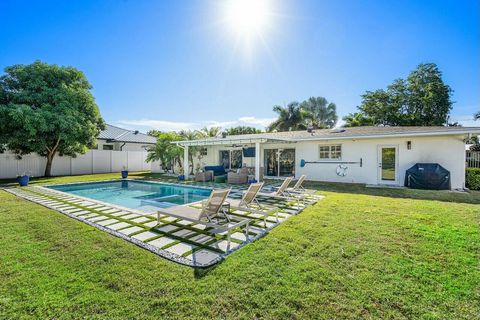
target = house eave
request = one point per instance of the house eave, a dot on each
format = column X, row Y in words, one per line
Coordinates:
column 227, row 141
column 392, row 135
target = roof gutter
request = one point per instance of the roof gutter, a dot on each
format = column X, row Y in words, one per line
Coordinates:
column 393, row 135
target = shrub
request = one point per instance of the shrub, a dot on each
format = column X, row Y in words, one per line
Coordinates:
column 473, row 178
column 475, row 147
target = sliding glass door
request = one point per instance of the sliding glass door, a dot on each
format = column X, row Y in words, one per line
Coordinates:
column 279, row 162
column 271, row 162
column 225, row 158
column 231, row 159
column 286, row 162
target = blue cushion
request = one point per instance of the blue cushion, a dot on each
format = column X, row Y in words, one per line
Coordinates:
column 217, row 170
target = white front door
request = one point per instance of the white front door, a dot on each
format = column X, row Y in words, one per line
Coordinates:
column 388, row 164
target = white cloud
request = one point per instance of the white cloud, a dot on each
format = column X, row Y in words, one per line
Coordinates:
column 163, row 125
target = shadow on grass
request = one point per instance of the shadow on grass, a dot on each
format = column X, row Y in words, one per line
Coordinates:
column 472, row 197
column 199, row 273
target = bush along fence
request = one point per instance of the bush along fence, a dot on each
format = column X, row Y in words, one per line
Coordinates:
column 472, row 179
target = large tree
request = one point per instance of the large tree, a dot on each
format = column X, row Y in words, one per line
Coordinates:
column 321, row 113
column 47, row 109
column 292, row 117
column 423, row 99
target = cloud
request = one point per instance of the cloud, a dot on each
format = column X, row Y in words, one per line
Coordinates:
column 147, row 124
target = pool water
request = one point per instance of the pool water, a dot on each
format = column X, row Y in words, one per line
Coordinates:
column 141, row 195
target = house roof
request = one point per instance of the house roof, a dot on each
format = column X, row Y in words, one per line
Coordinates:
column 334, row 134
column 116, row 134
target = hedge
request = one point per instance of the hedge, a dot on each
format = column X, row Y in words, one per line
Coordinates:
column 472, row 179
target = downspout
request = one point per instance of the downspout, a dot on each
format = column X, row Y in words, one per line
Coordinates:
column 121, row 147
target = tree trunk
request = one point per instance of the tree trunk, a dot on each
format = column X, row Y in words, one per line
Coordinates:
column 50, row 155
column 48, row 167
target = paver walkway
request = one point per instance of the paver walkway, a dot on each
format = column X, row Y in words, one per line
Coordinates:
column 175, row 239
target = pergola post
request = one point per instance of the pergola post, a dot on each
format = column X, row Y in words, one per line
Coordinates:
column 257, row 161
column 186, row 166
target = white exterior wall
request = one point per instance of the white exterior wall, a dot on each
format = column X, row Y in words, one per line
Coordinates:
column 129, row 146
column 448, row 151
column 94, row 161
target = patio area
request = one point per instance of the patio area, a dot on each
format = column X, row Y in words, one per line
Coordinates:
column 175, row 239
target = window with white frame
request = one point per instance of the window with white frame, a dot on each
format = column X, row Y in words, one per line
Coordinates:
column 330, row 152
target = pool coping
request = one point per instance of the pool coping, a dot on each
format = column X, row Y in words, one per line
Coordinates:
column 116, row 205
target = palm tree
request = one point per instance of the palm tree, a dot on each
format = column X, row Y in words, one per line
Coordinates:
column 212, row 132
column 291, row 117
column 193, row 150
column 165, row 151
column 321, row 113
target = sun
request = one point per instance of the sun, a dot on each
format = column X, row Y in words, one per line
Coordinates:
column 248, row 17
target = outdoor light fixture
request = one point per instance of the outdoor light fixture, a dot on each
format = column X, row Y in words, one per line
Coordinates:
column 409, row 145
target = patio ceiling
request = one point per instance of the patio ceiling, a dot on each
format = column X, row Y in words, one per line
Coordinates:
column 223, row 141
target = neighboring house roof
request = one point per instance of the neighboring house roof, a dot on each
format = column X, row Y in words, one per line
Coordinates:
column 337, row 133
column 116, row 134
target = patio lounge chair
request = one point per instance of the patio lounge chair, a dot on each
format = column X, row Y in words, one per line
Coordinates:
column 209, row 215
column 249, row 203
column 298, row 188
column 282, row 192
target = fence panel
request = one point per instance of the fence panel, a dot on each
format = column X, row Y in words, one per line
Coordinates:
column 135, row 160
column 473, row 159
column 94, row 161
column 82, row 163
column 119, row 160
column 102, row 161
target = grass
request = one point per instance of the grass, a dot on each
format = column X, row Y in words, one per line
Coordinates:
column 359, row 253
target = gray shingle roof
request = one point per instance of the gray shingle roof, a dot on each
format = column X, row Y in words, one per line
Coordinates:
column 354, row 132
column 122, row 135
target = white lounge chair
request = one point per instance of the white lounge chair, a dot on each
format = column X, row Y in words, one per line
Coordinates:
column 298, row 187
column 282, row 193
column 209, row 215
column 249, row 203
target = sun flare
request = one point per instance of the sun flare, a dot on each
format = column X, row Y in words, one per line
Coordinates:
column 248, row 17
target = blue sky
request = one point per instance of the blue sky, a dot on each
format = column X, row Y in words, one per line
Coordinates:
column 179, row 64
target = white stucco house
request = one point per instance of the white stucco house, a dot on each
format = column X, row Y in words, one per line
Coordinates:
column 370, row 155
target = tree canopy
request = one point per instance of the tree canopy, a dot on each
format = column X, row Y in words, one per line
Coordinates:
column 211, row 132
column 47, row 109
column 315, row 111
column 321, row 113
column 423, row 99
column 164, row 151
column 242, row 130
column 291, row 117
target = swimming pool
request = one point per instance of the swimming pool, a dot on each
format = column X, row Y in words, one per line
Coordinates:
column 140, row 195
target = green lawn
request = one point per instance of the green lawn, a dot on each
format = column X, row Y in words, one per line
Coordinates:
column 359, row 253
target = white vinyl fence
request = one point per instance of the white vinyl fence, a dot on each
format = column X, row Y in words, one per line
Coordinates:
column 94, row 161
column 473, row 159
